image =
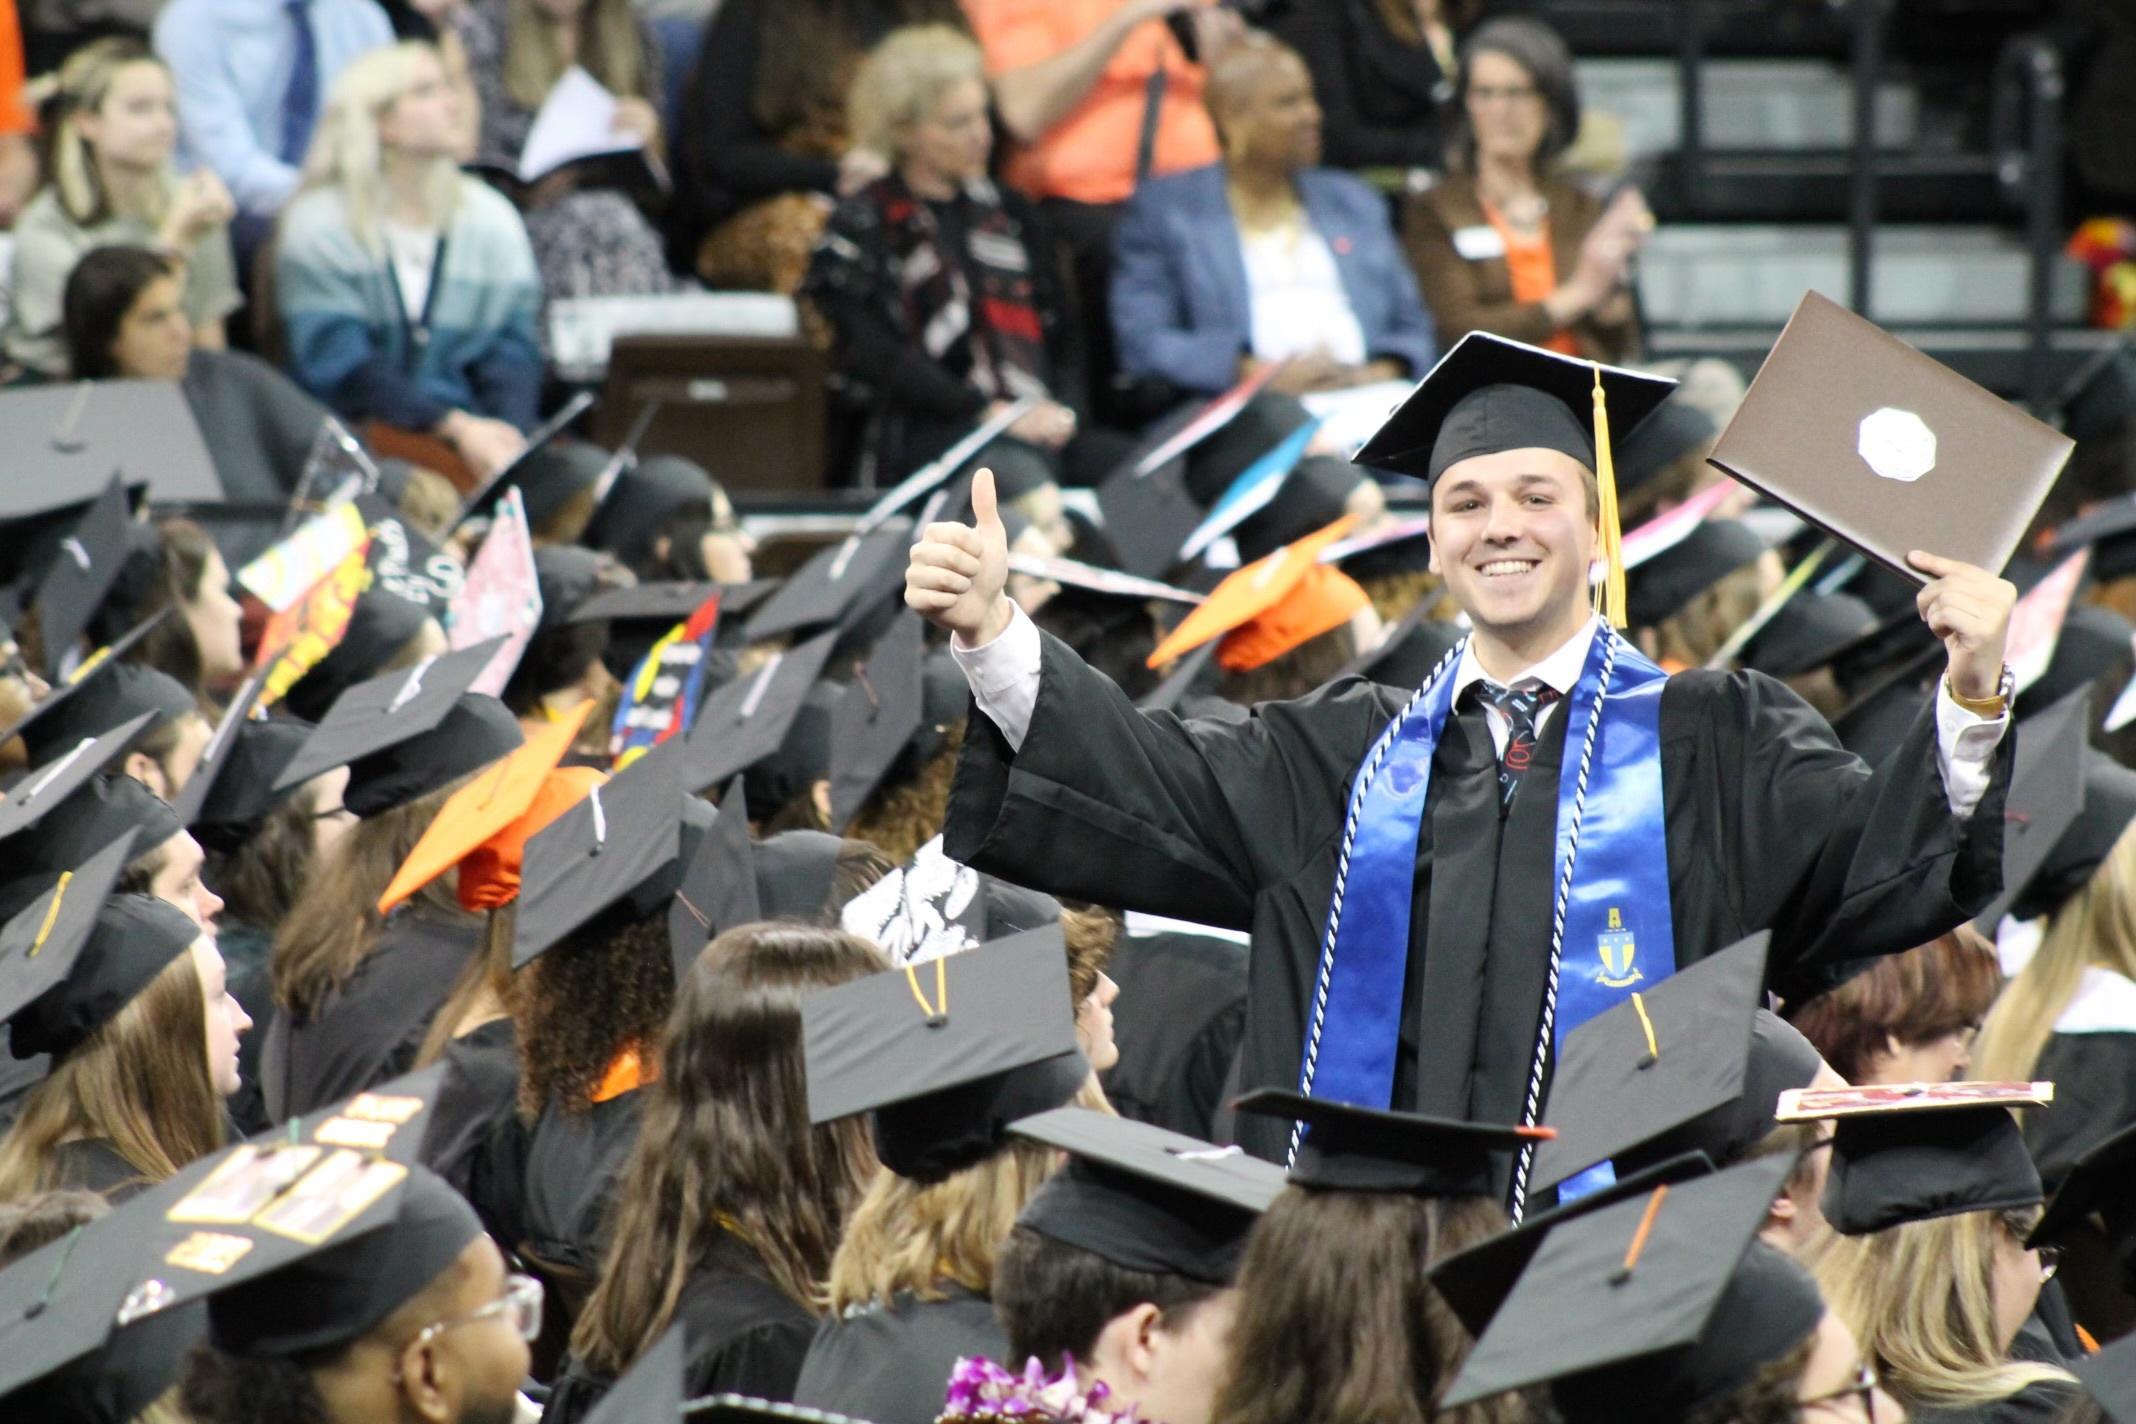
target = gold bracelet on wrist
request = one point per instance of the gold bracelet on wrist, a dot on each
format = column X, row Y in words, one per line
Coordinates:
column 1988, row 707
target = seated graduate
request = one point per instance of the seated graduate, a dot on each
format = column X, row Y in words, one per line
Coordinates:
column 1122, row 1272
column 1758, row 818
column 912, row 1283
column 1266, row 256
column 942, row 291
column 1907, row 1018
column 731, row 1203
column 669, row 520
column 406, row 291
column 562, row 668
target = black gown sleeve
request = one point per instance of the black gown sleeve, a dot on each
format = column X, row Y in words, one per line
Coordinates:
column 1146, row 811
column 1840, row 861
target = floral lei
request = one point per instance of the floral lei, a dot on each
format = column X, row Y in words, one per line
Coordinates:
column 982, row 1390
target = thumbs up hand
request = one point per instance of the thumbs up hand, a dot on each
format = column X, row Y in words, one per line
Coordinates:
column 957, row 572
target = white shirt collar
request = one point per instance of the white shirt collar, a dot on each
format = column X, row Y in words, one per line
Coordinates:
column 1560, row 671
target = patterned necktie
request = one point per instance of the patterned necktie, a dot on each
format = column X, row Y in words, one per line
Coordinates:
column 1520, row 709
column 300, row 101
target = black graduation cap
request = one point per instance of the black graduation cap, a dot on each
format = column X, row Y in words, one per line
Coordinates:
column 1408, row 651
column 899, row 701
column 838, row 584
column 90, row 558
column 565, row 576
column 1691, row 1050
column 1358, row 1149
column 41, row 946
column 666, row 603
column 1475, row 1281
column 74, row 826
column 222, row 745
column 86, row 683
column 642, row 500
column 1807, row 632
column 61, row 443
column 1663, row 585
column 2109, row 1376
column 1148, row 518
column 1489, row 394
column 719, row 888
column 2110, row 531
column 244, row 789
column 29, row 800
column 650, row 1391
column 747, row 719
column 1918, row 1159
column 947, row 1053
column 1312, row 496
column 933, row 905
column 1675, row 430
column 803, row 756
column 622, row 844
column 1642, row 1311
column 1400, row 546
column 2097, row 1184
column 111, row 958
column 380, row 624
column 794, row 871
column 543, row 483
column 2050, row 785
column 408, row 732
column 1145, row 1198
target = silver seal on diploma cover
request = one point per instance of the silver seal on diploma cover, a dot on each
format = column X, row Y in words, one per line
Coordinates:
column 1897, row 444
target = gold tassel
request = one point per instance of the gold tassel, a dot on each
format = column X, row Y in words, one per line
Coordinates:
column 1611, row 594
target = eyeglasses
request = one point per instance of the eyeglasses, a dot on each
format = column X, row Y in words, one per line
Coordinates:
column 520, row 1304
column 2050, row 1261
column 1863, row 1388
column 1502, row 93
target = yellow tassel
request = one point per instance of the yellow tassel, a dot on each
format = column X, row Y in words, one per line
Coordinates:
column 1611, row 593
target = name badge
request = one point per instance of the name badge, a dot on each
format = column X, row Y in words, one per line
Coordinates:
column 1480, row 242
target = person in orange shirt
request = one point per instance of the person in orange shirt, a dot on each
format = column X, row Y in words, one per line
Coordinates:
column 18, row 159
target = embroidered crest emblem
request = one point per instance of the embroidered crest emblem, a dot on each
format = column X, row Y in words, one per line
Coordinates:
column 1616, row 949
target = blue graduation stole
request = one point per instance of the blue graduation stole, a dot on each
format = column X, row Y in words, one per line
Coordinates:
column 1610, row 926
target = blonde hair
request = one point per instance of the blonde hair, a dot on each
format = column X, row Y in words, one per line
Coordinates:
column 904, row 78
column 907, row 1236
column 346, row 154
column 85, row 82
column 2095, row 927
column 1921, row 1299
column 609, row 48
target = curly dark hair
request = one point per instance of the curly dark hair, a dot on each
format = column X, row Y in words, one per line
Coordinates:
column 1768, row 1397
column 905, row 815
column 221, row 1388
column 606, row 988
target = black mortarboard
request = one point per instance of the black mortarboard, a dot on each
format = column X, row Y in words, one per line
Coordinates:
column 747, row 719
column 1399, row 545
column 947, row 1053
column 643, row 500
column 2050, row 785
column 1475, row 1281
column 1313, row 495
column 380, row 624
column 794, row 871
column 1686, row 1051
column 1148, row 518
column 1916, row 1160
column 565, row 575
column 2094, row 643
column 84, row 682
column 1349, row 1148
column 61, row 443
column 838, row 584
column 543, row 483
column 90, row 558
column 2110, row 530
column 1644, row 1310
column 2097, row 1184
column 1663, row 585
column 2109, row 1376
column 1408, row 651
column 409, row 732
column 1675, row 430
column 650, row 1391
column 1807, row 632
column 1147, row 1199
column 112, row 695
column 803, row 756
column 1489, row 394
column 41, row 945
column 245, row 786
column 127, row 943
column 624, row 844
column 75, row 827
column 665, row 603
column 900, row 701
column 718, row 889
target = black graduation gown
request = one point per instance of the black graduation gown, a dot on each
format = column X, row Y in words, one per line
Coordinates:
column 891, row 1364
column 246, row 951
column 2041, row 1403
column 573, row 1161
column 478, row 1097
column 369, row 1029
column 742, row 1335
column 1770, row 824
column 92, row 1164
column 2094, row 1077
column 1178, row 1022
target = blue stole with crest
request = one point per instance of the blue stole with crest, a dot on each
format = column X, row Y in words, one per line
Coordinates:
column 1611, row 925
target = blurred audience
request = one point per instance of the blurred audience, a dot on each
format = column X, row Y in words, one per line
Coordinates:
column 1384, row 72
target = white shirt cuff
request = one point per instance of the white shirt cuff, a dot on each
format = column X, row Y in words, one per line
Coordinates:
column 1004, row 676
column 1965, row 750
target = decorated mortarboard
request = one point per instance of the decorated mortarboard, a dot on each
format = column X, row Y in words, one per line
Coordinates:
column 484, row 807
column 1409, row 650
column 650, row 1391
column 2097, row 1185
column 947, row 1053
column 840, row 583
column 408, row 732
column 90, row 558
column 1475, row 1281
column 70, row 783
column 56, row 721
column 1693, row 1304
column 1270, row 607
column 505, row 596
column 1489, row 395
column 2050, row 787
column 1349, row 1148
column 61, row 444
column 747, row 719
column 625, row 845
column 2109, row 1377
column 544, row 483
column 44, row 944
column 1916, row 1151
column 1691, row 1062
column 105, row 961
column 1666, row 584
column 1147, row 1199
column 933, row 905
column 899, row 701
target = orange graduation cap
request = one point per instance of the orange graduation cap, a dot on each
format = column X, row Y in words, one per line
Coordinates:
column 1274, row 604
column 485, row 807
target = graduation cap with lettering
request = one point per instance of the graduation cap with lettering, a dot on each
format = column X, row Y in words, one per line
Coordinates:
column 839, row 584
column 2097, row 1186
column 2051, row 780
column 625, row 846
column 947, row 1053
column 1692, row 1062
column 1488, row 395
column 64, row 984
column 543, row 483
column 409, row 732
column 1665, row 584
column 1147, row 1199
column 1644, row 1310
column 480, row 811
column 103, row 692
column 1923, row 1155
column 73, row 825
column 1348, row 1148
column 1270, row 607
column 91, row 557
column 747, row 719
column 894, row 715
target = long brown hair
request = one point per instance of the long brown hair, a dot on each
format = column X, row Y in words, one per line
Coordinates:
column 140, row 1082
column 809, row 52
column 486, row 979
column 261, row 879
column 726, row 1143
column 1337, row 1322
column 1938, row 988
column 609, row 48
column 183, row 550
column 335, row 922
column 906, row 816
column 603, row 989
